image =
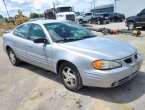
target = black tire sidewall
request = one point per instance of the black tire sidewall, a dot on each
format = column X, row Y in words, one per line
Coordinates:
column 80, row 21
column 129, row 26
column 76, row 73
column 17, row 60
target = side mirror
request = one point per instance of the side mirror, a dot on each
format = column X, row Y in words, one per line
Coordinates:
column 138, row 14
column 41, row 40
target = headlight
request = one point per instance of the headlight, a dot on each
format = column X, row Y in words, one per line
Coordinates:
column 105, row 65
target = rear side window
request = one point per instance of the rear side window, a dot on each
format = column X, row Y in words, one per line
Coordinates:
column 23, row 31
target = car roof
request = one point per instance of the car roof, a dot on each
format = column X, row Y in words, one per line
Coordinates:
column 44, row 21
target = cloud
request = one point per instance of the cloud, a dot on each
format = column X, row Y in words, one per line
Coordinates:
column 28, row 6
column 18, row 1
column 38, row 4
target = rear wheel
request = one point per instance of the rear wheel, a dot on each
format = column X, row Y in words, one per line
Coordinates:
column 131, row 25
column 70, row 76
column 81, row 21
column 14, row 60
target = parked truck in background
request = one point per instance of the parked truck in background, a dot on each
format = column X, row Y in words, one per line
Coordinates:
column 136, row 21
column 61, row 13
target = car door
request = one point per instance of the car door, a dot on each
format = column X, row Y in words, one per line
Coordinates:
column 20, row 36
column 142, row 18
column 88, row 16
column 38, row 54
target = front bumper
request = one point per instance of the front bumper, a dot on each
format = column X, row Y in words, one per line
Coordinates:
column 107, row 20
column 110, row 78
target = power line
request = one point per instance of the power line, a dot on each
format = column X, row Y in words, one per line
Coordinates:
column 6, row 8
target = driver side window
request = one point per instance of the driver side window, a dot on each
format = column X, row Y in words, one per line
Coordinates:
column 36, row 32
column 88, row 14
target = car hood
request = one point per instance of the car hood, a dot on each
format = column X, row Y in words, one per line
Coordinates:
column 79, row 17
column 100, row 48
column 132, row 17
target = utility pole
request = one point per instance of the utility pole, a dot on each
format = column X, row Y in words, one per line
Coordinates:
column 6, row 8
column 94, row 4
column 91, row 5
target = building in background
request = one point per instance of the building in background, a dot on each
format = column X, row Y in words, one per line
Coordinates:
column 129, row 7
column 105, row 8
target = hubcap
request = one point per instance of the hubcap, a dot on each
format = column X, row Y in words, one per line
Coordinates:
column 131, row 26
column 81, row 21
column 69, row 77
column 98, row 22
column 12, row 57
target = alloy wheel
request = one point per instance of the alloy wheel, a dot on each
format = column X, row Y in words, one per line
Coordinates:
column 12, row 57
column 69, row 77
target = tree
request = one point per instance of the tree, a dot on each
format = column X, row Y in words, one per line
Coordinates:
column 34, row 15
column 6, row 20
column 41, row 15
column 1, row 17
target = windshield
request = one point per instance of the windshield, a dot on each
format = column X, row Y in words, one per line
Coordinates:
column 82, row 14
column 64, row 9
column 66, row 31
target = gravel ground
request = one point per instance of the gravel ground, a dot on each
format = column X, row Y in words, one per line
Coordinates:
column 31, row 88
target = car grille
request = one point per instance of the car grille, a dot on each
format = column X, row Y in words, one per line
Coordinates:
column 131, row 59
column 70, row 17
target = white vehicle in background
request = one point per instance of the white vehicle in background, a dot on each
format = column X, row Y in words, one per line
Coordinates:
column 61, row 13
column 84, row 17
column 65, row 13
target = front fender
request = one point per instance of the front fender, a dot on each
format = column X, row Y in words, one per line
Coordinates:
column 78, row 59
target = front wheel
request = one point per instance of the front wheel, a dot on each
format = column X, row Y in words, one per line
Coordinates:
column 131, row 25
column 99, row 22
column 90, row 22
column 14, row 60
column 70, row 76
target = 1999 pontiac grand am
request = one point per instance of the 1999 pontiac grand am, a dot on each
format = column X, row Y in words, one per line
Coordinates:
column 76, row 54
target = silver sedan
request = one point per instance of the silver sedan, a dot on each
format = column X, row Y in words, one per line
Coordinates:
column 76, row 54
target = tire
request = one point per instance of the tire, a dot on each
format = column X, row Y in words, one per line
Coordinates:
column 81, row 21
column 13, row 59
column 143, row 27
column 90, row 22
column 70, row 77
column 121, row 20
column 98, row 22
column 131, row 25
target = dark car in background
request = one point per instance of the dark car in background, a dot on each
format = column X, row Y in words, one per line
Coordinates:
column 136, row 21
column 100, row 18
column 116, row 17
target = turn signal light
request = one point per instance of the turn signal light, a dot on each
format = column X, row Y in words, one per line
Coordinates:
column 98, row 64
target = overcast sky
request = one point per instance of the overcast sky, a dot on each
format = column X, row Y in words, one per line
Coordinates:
column 39, row 6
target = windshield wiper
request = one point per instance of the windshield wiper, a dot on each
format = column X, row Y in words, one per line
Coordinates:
column 74, row 39
column 88, row 36
column 69, row 39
